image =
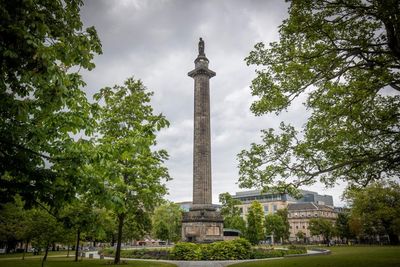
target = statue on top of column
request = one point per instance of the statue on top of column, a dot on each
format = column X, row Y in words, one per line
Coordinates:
column 201, row 47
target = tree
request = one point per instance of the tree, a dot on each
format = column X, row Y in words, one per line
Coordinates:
column 45, row 230
column 42, row 46
column 343, row 226
column 255, row 223
column 79, row 216
column 378, row 208
column 13, row 219
column 128, row 173
column 231, row 213
column 323, row 227
column 275, row 226
column 283, row 213
column 343, row 58
column 167, row 222
column 301, row 236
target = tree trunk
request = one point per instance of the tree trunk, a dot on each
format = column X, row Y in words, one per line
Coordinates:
column 25, row 250
column 68, row 251
column 53, row 248
column 78, row 236
column 121, row 218
column 45, row 253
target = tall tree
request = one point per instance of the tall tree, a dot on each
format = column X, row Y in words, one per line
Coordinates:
column 343, row 58
column 255, row 223
column 167, row 222
column 42, row 45
column 322, row 227
column 343, row 226
column 275, row 226
column 378, row 208
column 231, row 213
column 128, row 171
column 283, row 213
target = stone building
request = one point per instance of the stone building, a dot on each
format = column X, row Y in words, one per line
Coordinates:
column 273, row 201
column 299, row 215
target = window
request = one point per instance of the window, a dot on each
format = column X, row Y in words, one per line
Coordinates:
column 275, row 208
column 266, row 210
column 304, row 227
column 297, row 227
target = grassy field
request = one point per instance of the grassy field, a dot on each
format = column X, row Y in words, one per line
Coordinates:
column 62, row 261
column 373, row 256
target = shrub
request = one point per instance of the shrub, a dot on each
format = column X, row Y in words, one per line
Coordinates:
column 223, row 250
column 186, row 251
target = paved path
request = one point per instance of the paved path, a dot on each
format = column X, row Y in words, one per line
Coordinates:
column 203, row 263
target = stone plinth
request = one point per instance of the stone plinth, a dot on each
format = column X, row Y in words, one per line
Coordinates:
column 202, row 226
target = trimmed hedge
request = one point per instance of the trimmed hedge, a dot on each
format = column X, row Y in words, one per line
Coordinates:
column 223, row 250
column 237, row 249
column 262, row 253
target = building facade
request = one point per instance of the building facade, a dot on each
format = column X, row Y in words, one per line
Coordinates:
column 272, row 202
column 299, row 215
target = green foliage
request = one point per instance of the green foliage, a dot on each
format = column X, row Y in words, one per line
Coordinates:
column 145, row 253
column 343, row 227
column 262, row 252
column 300, row 235
column 341, row 256
column 41, row 102
column 255, row 223
column 377, row 207
column 223, row 250
column 167, row 222
column 283, row 213
column 324, row 227
column 231, row 213
column 126, row 174
column 13, row 223
column 274, row 225
column 343, row 57
column 186, row 251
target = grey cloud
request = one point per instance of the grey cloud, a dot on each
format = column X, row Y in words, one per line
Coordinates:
column 156, row 41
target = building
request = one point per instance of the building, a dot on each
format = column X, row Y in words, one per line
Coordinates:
column 299, row 215
column 275, row 201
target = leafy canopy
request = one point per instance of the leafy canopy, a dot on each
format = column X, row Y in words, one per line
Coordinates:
column 42, row 47
column 255, row 223
column 343, row 57
column 231, row 213
column 167, row 222
column 127, row 174
column 378, row 208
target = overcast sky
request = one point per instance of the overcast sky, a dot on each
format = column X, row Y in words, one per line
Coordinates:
column 156, row 41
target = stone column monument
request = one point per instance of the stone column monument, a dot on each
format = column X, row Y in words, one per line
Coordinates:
column 202, row 223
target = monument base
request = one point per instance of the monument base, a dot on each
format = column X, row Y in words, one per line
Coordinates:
column 202, row 225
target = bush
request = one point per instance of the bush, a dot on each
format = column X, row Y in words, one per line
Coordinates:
column 223, row 250
column 109, row 252
column 261, row 253
column 186, row 251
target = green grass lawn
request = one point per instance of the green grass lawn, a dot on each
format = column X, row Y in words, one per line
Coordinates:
column 68, row 262
column 372, row 256
column 28, row 254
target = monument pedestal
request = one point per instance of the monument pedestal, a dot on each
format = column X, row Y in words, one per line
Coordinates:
column 202, row 225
